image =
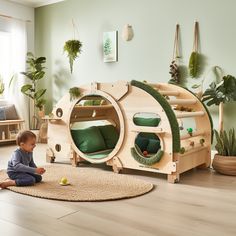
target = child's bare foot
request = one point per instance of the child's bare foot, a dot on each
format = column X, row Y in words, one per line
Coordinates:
column 7, row 183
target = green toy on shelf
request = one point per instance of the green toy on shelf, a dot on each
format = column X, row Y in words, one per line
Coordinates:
column 190, row 131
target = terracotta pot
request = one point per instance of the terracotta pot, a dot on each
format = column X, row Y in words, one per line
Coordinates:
column 224, row 164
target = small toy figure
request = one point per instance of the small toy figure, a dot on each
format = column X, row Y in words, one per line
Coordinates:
column 190, row 131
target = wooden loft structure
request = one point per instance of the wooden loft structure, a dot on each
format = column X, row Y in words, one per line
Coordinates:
column 178, row 153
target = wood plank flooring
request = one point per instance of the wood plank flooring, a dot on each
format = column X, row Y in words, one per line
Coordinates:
column 203, row 203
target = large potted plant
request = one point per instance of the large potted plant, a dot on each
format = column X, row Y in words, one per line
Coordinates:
column 218, row 94
column 34, row 73
column 224, row 161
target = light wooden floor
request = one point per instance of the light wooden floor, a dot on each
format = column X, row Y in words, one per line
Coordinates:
column 204, row 203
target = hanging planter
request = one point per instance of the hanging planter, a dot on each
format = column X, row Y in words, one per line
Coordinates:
column 174, row 66
column 194, row 58
column 72, row 48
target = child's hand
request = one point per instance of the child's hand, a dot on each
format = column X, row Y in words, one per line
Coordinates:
column 40, row 171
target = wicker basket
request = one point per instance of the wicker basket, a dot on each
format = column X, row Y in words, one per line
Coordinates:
column 224, row 164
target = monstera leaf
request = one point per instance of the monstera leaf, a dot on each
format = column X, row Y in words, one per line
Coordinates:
column 222, row 92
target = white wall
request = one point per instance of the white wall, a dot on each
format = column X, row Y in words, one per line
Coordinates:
column 22, row 12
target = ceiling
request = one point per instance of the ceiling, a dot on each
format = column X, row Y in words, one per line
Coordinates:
column 36, row 3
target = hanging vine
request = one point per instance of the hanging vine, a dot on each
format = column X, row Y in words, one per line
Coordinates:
column 73, row 49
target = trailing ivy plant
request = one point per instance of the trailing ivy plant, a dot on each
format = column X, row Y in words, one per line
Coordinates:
column 73, row 49
column 74, row 93
column 34, row 73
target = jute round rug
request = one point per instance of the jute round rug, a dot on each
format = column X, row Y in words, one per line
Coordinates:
column 86, row 184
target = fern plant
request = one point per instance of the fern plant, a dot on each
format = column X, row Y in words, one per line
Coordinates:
column 73, row 49
column 225, row 142
column 74, row 93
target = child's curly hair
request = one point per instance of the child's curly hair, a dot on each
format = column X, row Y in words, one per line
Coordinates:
column 23, row 136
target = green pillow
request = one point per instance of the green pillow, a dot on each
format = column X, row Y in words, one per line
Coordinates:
column 142, row 121
column 89, row 139
column 153, row 146
column 92, row 102
column 110, row 135
column 142, row 143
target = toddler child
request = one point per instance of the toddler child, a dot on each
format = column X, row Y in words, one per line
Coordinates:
column 21, row 169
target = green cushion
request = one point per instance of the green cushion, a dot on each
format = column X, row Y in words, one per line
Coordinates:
column 110, row 135
column 89, row 139
column 92, row 103
column 153, row 146
column 141, row 142
column 142, row 121
column 99, row 155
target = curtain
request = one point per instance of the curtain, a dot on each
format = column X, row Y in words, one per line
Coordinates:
column 18, row 39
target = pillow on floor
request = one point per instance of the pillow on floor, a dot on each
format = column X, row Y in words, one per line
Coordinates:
column 141, row 142
column 153, row 146
column 110, row 135
column 88, row 140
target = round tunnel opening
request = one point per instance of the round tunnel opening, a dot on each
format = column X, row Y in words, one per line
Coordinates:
column 96, row 127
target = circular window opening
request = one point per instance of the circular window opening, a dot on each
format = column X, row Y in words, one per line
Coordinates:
column 58, row 147
column 147, row 149
column 59, row 112
column 95, row 126
column 147, row 119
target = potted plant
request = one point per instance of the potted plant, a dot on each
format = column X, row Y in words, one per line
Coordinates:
column 73, row 49
column 74, row 93
column 34, row 73
column 224, row 161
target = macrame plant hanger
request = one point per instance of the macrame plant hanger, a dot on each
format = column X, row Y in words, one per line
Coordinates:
column 174, row 70
column 194, row 58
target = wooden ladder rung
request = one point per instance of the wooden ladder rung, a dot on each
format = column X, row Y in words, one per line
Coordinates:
column 168, row 93
column 182, row 101
column 189, row 114
column 146, row 129
column 190, row 150
column 195, row 134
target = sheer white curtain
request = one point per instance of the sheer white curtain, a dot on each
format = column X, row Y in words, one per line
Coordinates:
column 18, row 32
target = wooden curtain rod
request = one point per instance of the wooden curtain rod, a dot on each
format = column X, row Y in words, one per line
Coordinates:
column 14, row 18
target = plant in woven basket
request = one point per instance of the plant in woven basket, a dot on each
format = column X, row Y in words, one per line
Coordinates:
column 224, row 161
column 74, row 93
column 225, row 142
column 73, row 49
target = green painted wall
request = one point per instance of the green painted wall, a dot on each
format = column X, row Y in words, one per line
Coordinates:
column 148, row 55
